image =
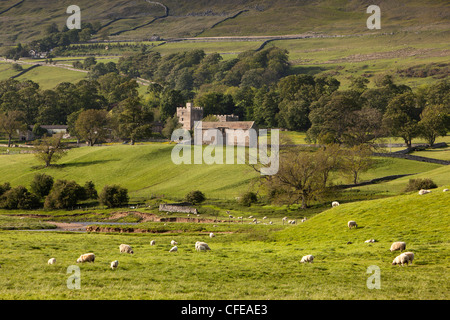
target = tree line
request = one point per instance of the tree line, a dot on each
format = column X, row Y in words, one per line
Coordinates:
column 256, row 86
column 45, row 192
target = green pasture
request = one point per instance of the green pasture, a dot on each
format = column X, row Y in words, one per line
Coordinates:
column 255, row 262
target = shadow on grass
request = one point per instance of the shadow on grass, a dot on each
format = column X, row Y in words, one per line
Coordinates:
column 74, row 164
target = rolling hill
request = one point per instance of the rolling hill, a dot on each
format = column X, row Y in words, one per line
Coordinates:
column 22, row 21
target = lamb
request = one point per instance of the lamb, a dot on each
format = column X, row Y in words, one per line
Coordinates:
column 423, row 191
column 201, row 246
column 51, row 261
column 87, row 257
column 152, row 243
column 445, row 190
column 334, row 204
column 173, row 242
column 399, row 245
column 370, row 241
column 174, row 249
column 309, row 258
column 304, row 219
column 114, row 264
column 212, row 235
column 351, row 224
column 126, row 248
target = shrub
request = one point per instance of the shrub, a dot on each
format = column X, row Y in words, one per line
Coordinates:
column 64, row 194
column 113, row 196
column 19, row 198
column 4, row 187
column 41, row 185
column 195, row 197
column 418, row 184
column 248, row 198
column 89, row 188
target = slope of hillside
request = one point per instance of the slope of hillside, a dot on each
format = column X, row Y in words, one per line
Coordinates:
column 143, row 169
column 172, row 18
column 420, row 221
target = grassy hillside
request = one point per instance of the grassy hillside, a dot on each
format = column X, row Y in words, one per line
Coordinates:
column 147, row 170
column 259, row 262
column 221, row 18
column 143, row 169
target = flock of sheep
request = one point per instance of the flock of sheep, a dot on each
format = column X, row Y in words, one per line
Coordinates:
column 125, row 248
column 402, row 259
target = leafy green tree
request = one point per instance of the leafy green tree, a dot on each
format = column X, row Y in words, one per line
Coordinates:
column 195, row 197
column 41, row 185
column 113, row 196
column 92, row 125
column 10, row 123
column 50, row 149
column 434, row 122
column 134, row 121
column 19, row 198
column 402, row 116
column 90, row 191
column 64, row 195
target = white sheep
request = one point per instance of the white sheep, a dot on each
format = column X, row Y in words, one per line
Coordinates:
column 401, row 259
column 399, row 245
column 114, row 264
column 173, row 242
column 423, row 191
column 410, row 256
column 152, row 243
column 309, row 258
column 370, row 241
column 445, row 190
column 126, row 248
column 51, row 261
column 212, row 235
column 334, row 204
column 304, row 219
column 405, row 257
column 174, row 249
column 87, row 257
column 352, row 224
column 201, row 246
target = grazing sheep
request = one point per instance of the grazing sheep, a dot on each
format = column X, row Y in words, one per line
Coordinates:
column 370, row 241
column 334, row 204
column 126, row 248
column 201, row 246
column 401, row 259
column 212, row 235
column 423, row 191
column 399, row 245
column 152, row 243
column 173, row 242
column 309, row 258
column 51, row 261
column 445, row 190
column 304, row 219
column 352, row 224
column 410, row 256
column 174, row 249
column 114, row 264
column 405, row 257
column 87, row 257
